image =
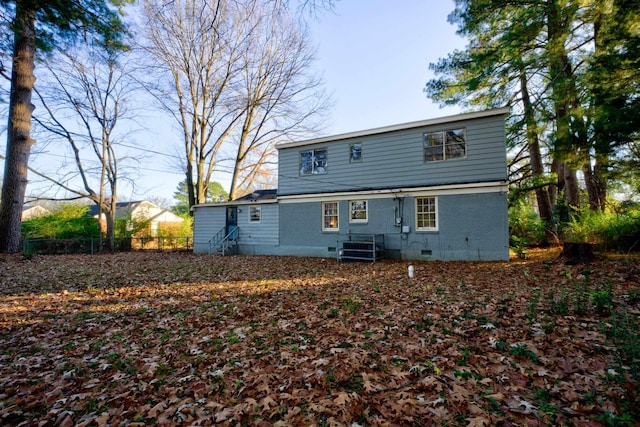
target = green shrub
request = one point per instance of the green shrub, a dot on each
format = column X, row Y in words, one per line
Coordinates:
column 185, row 228
column 69, row 221
column 525, row 226
column 127, row 227
column 613, row 230
column 623, row 231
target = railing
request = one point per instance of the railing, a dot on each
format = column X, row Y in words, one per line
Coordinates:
column 360, row 247
column 222, row 240
column 97, row 245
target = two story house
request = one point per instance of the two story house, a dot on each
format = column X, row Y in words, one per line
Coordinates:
column 428, row 190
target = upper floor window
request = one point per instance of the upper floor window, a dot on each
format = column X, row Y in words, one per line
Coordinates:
column 255, row 213
column 355, row 152
column 426, row 214
column 444, row 145
column 358, row 211
column 313, row 162
column 330, row 216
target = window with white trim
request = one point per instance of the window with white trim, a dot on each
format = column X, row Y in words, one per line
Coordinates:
column 444, row 145
column 330, row 216
column 358, row 212
column 426, row 213
column 255, row 213
column 313, row 162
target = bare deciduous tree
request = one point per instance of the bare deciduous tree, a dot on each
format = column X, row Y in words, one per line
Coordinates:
column 234, row 76
column 279, row 98
column 194, row 49
column 84, row 103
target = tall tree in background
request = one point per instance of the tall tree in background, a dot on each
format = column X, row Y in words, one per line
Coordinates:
column 234, row 76
column 503, row 66
column 215, row 193
column 44, row 25
column 551, row 69
column 614, row 82
column 194, row 48
column 278, row 97
column 85, row 99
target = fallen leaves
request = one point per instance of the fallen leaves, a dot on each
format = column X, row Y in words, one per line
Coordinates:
column 183, row 339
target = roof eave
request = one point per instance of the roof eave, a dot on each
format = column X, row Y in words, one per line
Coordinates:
column 402, row 126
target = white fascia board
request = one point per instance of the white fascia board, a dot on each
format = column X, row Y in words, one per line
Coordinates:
column 392, row 128
column 440, row 190
column 235, row 203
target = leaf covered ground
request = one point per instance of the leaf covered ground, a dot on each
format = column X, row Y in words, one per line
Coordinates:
column 184, row 339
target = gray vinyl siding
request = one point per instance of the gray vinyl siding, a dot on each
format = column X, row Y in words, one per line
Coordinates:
column 465, row 232
column 207, row 220
column 264, row 232
column 253, row 237
column 395, row 160
column 472, row 227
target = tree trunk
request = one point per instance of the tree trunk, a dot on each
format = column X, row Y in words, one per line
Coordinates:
column 600, row 171
column 537, row 168
column 111, row 228
column 571, row 188
column 567, row 145
column 601, row 142
column 553, row 189
column 19, row 140
column 591, row 185
column 191, row 197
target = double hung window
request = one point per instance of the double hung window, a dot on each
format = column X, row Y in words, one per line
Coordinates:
column 255, row 213
column 444, row 145
column 330, row 216
column 313, row 162
column 358, row 212
column 426, row 214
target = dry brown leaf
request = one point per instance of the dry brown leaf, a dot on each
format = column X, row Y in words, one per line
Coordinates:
column 186, row 339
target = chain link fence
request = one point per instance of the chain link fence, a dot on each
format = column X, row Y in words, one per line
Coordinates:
column 95, row 245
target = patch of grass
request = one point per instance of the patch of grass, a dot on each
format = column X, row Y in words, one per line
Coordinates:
column 532, row 309
column 624, row 333
column 463, row 358
column 465, row 375
column 350, row 305
column 232, row 337
column 141, row 310
column 521, row 351
column 424, row 324
column 602, row 298
column 164, row 370
column 560, row 305
column 581, row 296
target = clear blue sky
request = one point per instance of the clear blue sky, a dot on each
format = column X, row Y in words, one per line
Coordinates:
column 375, row 57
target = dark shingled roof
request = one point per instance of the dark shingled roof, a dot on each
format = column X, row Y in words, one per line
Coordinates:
column 93, row 209
column 260, row 195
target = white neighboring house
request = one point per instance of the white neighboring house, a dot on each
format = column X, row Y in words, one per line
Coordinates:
column 141, row 211
column 34, row 212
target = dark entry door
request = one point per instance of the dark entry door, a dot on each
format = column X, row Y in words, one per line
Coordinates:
column 232, row 219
